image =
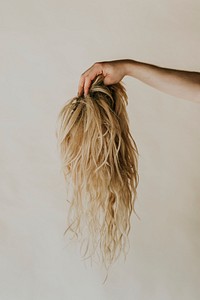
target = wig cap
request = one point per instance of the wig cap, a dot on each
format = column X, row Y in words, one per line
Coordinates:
column 99, row 160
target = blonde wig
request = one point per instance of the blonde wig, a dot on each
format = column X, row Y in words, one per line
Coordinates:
column 100, row 164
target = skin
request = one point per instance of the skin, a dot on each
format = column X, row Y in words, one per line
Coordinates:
column 178, row 83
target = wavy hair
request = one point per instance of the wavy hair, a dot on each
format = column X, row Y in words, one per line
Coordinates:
column 99, row 160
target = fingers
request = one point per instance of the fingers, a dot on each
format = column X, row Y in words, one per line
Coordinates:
column 87, row 77
column 88, row 81
column 81, row 86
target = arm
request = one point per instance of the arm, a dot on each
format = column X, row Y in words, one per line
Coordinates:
column 182, row 84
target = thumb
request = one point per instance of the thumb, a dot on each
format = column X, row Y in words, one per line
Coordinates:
column 108, row 80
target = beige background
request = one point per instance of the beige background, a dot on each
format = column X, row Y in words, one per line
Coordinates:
column 45, row 46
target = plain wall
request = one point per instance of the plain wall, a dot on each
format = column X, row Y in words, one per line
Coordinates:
column 45, row 46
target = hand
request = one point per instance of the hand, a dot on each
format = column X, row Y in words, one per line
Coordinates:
column 113, row 72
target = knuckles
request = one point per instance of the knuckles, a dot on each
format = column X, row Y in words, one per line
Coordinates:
column 98, row 64
column 86, row 75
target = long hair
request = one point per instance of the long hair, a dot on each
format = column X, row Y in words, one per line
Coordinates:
column 99, row 160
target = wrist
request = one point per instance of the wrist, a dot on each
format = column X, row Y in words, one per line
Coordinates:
column 131, row 67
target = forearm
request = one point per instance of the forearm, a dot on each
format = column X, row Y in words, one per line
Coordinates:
column 182, row 84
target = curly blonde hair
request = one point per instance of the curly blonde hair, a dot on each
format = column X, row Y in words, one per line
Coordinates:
column 100, row 164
